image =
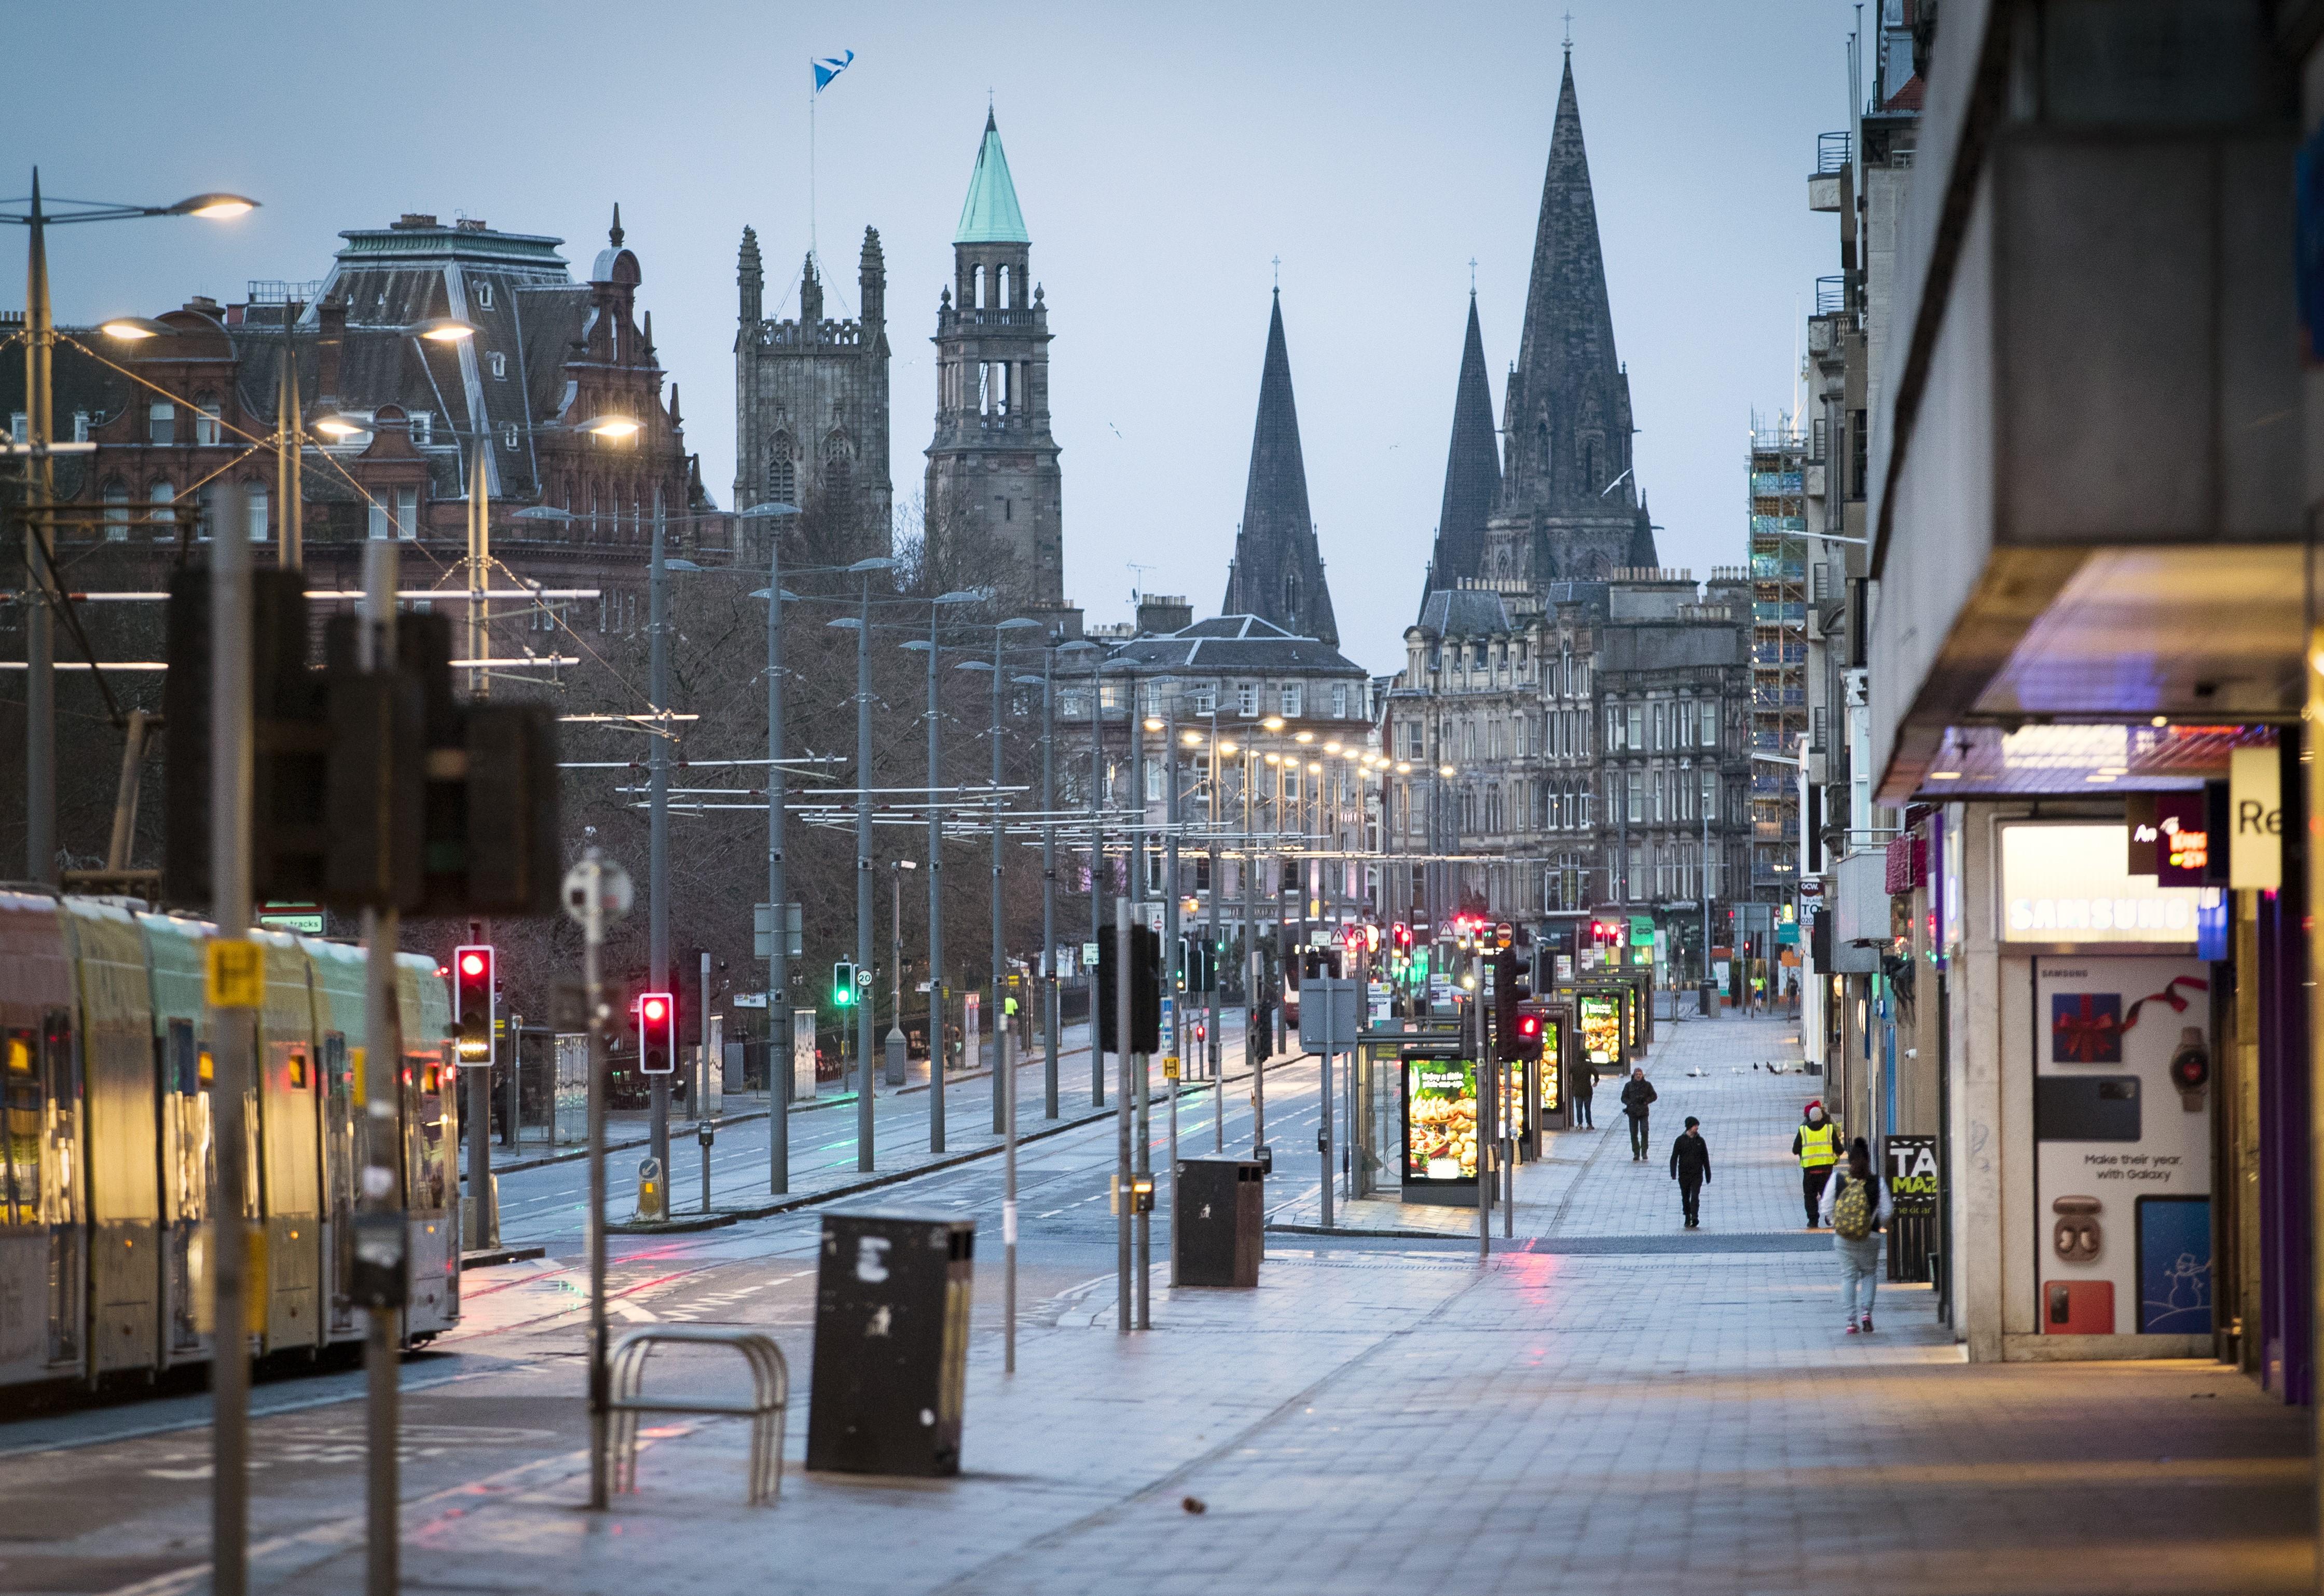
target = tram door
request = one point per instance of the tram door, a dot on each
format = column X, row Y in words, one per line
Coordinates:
column 339, row 1178
column 188, row 1162
column 43, row 1193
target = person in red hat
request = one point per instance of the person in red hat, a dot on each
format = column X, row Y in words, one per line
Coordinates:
column 1817, row 1146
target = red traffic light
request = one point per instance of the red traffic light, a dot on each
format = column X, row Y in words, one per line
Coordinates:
column 655, row 1007
column 473, row 1001
column 657, row 1034
column 1528, row 1026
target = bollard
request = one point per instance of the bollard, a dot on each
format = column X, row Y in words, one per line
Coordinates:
column 653, row 1202
column 705, row 1133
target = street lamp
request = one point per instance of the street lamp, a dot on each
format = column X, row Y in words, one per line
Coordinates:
column 939, row 995
column 40, row 650
column 867, row 569
column 1080, row 649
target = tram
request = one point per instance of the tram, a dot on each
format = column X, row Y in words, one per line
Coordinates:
column 106, row 1144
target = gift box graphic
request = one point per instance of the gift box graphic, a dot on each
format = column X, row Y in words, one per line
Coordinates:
column 2086, row 1027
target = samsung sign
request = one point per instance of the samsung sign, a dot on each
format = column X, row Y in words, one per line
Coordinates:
column 2070, row 883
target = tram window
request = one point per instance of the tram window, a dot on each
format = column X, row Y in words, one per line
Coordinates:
column 188, row 1067
column 20, row 1153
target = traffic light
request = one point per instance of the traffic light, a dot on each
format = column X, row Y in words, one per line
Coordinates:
column 1510, row 990
column 1401, row 937
column 1145, row 990
column 657, row 1034
column 842, row 984
column 472, row 1001
column 1528, row 1036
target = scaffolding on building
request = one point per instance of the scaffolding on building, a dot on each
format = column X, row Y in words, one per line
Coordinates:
column 1775, row 490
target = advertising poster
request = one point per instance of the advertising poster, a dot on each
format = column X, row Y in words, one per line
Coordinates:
column 1600, row 1025
column 1440, row 1122
column 2122, row 1146
column 1553, row 1074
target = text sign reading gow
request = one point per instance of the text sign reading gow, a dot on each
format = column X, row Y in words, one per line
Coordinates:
column 2068, row 883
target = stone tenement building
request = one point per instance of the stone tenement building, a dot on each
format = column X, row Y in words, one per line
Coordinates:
column 811, row 398
column 992, row 465
column 1592, row 738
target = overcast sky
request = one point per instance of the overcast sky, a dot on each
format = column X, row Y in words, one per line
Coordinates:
column 1165, row 157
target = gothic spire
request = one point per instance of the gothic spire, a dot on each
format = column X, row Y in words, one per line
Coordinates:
column 1278, row 572
column 1569, row 402
column 989, row 215
column 1472, row 470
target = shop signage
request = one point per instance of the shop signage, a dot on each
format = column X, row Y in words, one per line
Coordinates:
column 2256, row 823
column 2138, row 811
column 1912, row 1182
column 2182, row 846
column 2068, row 883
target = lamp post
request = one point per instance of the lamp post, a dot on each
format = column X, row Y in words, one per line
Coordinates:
column 41, row 447
column 1001, row 1096
column 862, row 623
column 939, row 994
column 1096, row 657
column 778, row 964
column 1049, row 879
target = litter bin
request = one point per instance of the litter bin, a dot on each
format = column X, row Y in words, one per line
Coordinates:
column 891, row 1304
column 1216, row 1225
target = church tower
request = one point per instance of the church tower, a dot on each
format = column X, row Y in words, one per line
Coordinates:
column 1571, row 508
column 992, row 465
column 811, row 400
column 1472, row 469
column 1277, row 573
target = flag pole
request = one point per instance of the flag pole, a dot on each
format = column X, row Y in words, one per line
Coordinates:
column 811, row 96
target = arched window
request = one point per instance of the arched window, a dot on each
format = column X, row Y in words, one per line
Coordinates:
column 161, row 495
column 1290, row 595
column 206, row 419
column 782, row 470
column 1541, row 437
column 117, row 510
column 1004, row 288
column 838, row 467
column 979, row 287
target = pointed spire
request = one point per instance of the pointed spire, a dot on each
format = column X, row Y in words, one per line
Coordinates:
column 676, row 421
column 990, row 214
column 615, row 232
column 1472, row 469
column 1278, row 572
column 1568, row 408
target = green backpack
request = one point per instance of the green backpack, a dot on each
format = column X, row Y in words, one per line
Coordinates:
column 1852, row 1212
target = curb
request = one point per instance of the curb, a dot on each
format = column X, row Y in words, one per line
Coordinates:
column 720, row 1218
column 492, row 1256
column 1289, row 1228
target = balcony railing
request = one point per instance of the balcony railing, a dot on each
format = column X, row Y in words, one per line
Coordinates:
column 1833, row 150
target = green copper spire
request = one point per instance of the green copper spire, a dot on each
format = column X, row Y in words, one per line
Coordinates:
column 989, row 215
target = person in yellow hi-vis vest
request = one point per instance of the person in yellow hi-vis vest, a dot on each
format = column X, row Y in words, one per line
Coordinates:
column 1817, row 1147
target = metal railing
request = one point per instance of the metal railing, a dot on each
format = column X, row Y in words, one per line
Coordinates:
column 1833, row 150
column 771, row 1385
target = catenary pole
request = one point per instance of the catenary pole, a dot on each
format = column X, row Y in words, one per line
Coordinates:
column 780, row 1066
column 658, row 825
column 861, row 1010
column 939, row 992
column 1097, row 865
column 999, row 1014
column 1048, row 879
column 232, row 1040
column 1119, row 965
column 382, row 1189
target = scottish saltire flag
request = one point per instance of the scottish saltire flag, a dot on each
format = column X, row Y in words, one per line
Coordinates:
column 828, row 67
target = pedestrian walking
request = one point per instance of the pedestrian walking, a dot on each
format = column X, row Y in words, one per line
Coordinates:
column 1638, row 1097
column 1689, row 1166
column 1816, row 1145
column 1857, row 1207
column 1585, row 1082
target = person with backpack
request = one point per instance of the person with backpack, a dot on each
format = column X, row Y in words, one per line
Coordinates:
column 1638, row 1097
column 1584, row 1083
column 1689, row 1166
column 1857, row 1207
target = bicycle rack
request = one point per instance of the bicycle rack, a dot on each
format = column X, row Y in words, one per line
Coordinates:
column 771, row 1383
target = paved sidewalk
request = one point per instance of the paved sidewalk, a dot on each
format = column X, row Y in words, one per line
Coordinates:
column 1396, row 1423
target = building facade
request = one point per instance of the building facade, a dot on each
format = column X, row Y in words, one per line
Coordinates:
column 811, row 398
column 992, row 465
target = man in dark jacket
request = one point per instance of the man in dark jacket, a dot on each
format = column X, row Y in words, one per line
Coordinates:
column 1638, row 1097
column 1689, row 1166
column 1584, row 1083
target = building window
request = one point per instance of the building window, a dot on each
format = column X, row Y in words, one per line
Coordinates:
column 1710, row 737
column 1111, row 697
column 1637, row 806
column 117, row 510
column 81, row 427
column 1637, row 729
column 508, row 437
column 162, row 497
column 423, row 426
column 1155, row 790
column 162, row 422
column 1711, row 795
column 1294, row 697
column 484, row 296
column 254, row 498
column 1339, row 701
column 406, row 512
column 499, row 363
column 206, row 420
column 20, row 428
column 1207, row 698
column 1247, row 700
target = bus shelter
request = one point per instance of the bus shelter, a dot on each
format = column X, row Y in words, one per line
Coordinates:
column 1379, row 1090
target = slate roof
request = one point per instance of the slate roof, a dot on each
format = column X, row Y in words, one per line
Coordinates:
column 990, row 214
column 1464, row 612
column 1246, row 644
column 1278, row 571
